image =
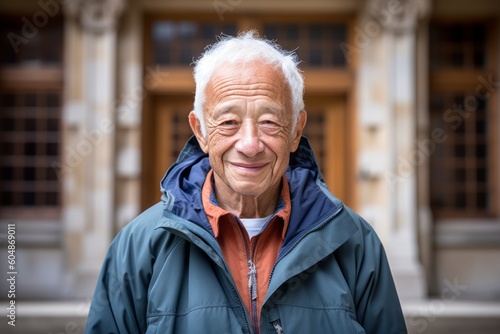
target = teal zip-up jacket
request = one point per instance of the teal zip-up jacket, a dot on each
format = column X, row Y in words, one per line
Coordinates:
column 165, row 272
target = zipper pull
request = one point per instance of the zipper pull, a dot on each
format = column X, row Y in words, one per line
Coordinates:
column 277, row 327
column 252, row 280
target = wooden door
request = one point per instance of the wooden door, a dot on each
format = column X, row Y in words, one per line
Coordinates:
column 326, row 129
column 165, row 133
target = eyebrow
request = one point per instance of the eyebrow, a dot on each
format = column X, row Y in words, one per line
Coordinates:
column 219, row 112
column 271, row 109
column 227, row 109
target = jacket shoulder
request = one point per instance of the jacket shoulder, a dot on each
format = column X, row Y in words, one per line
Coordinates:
column 365, row 229
column 144, row 222
column 142, row 234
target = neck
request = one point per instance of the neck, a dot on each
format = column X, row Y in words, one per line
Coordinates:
column 247, row 206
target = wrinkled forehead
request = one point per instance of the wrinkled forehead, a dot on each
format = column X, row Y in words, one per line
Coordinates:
column 248, row 79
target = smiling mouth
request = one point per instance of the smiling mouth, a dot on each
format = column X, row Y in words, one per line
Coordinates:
column 249, row 168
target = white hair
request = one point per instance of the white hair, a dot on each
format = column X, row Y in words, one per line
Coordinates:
column 246, row 47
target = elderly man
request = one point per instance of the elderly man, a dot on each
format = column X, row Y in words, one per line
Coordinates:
column 247, row 238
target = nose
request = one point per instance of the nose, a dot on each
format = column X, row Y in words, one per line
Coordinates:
column 249, row 142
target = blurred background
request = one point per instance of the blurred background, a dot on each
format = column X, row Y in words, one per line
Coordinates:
column 403, row 114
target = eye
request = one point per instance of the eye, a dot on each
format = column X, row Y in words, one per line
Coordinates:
column 228, row 126
column 269, row 123
column 269, row 126
column 229, row 123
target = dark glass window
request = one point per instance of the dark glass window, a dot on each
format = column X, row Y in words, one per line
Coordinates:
column 180, row 42
column 29, row 147
column 458, row 45
column 30, row 114
column 467, row 160
column 463, row 170
column 317, row 45
column 25, row 43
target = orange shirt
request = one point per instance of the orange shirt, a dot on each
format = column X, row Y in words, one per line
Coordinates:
column 238, row 249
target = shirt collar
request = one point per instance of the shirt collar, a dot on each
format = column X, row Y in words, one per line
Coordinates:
column 215, row 213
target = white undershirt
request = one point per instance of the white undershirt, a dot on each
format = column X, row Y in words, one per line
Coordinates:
column 255, row 225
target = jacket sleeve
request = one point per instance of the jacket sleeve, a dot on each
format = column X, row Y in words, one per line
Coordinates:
column 120, row 298
column 376, row 298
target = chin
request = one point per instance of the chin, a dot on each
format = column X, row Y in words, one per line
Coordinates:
column 249, row 190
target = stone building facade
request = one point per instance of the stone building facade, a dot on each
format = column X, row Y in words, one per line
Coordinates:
column 403, row 106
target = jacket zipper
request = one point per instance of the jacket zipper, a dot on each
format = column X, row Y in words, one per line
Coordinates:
column 252, row 286
column 252, row 279
column 277, row 327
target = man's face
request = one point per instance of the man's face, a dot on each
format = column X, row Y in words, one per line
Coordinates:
column 248, row 118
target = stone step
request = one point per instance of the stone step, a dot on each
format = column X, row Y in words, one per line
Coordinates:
column 440, row 316
column 58, row 317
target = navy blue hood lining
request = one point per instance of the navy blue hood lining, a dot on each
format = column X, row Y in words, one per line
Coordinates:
column 184, row 180
column 310, row 206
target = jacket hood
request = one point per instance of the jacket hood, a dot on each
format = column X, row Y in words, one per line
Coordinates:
column 181, row 190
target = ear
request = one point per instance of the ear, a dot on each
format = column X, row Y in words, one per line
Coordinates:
column 195, row 124
column 301, row 122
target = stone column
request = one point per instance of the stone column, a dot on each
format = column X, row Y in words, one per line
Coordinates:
column 89, row 118
column 389, row 154
column 408, row 270
column 133, row 81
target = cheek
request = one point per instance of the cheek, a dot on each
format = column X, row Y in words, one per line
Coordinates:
column 283, row 161
column 282, row 153
column 218, row 146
